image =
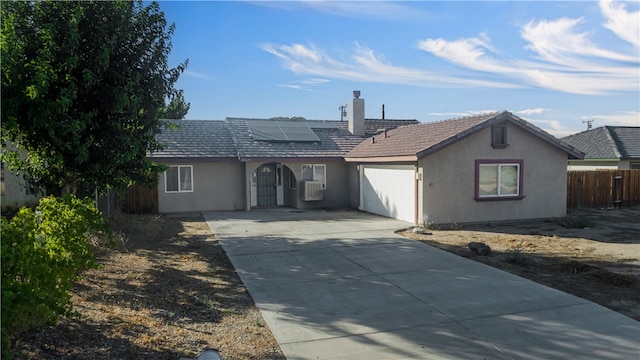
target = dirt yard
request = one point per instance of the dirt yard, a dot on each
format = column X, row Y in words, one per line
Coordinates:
column 592, row 254
column 169, row 291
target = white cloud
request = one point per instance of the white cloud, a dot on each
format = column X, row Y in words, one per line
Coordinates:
column 534, row 111
column 566, row 59
column 469, row 52
column 315, row 81
column 622, row 118
column 448, row 115
column 305, row 84
column 194, row 74
column 366, row 66
column 554, row 127
column 621, row 22
column 293, row 86
column 558, row 41
column 563, row 57
column 386, row 10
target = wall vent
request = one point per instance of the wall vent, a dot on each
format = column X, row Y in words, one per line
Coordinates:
column 312, row 190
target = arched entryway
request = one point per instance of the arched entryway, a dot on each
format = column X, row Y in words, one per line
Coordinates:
column 273, row 184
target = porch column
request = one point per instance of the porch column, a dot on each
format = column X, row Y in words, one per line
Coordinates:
column 247, row 186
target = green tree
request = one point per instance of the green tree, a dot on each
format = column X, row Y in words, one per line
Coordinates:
column 177, row 108
column 83, row 83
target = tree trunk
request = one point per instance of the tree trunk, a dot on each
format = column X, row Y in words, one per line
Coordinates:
column 70, row 186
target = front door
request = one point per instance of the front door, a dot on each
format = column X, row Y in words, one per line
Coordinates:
column 267, row 185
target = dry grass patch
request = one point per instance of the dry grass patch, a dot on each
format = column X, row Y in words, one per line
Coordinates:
column 167, row 292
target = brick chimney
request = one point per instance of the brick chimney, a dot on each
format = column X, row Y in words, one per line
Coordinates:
column 356, row 114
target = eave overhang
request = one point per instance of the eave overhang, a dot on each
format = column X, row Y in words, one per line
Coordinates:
column 403, row 158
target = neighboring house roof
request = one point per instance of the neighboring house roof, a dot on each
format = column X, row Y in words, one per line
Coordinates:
column 608, row 142
column 416, row 141
column 375, row 126
column 207, row 139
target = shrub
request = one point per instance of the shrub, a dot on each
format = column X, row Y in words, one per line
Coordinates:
column 42, row 254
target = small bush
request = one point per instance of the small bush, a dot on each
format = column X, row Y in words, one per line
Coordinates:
column 42, row 253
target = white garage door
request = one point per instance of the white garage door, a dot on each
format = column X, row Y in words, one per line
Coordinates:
column 389, row 191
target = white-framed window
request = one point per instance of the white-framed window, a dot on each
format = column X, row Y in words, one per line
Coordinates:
column 498, row 179
column 315, row 172
column 179, row 178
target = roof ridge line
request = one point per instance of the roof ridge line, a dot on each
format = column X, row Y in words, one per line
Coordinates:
column 469, row 116
column 612, row 141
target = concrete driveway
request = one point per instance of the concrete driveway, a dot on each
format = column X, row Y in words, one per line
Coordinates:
column 342, row 285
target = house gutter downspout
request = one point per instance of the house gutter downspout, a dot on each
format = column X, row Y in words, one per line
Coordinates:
column 415, row 192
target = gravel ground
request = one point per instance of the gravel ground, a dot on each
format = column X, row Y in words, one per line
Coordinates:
column 167, row 292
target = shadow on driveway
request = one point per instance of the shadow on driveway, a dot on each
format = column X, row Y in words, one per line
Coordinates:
column 341, row 285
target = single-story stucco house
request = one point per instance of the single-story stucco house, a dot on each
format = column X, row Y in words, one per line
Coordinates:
column 239, row 164
column 606, row 147
column 488, row 167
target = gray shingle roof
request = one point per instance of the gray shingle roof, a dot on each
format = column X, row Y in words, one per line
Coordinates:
column 627, row 140
column 423, row 139
column 233, row 139
column 195, row 139
column 608, row 142
column 334, row 142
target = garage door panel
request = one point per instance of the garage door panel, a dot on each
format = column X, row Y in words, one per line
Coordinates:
column 389, row 191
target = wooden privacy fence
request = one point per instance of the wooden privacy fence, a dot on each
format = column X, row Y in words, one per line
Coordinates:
column 139, row 199
column 603, row 188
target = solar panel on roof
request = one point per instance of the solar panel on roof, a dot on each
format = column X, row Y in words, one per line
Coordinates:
column 282, row 131
column 315, row 124
column 264, row 131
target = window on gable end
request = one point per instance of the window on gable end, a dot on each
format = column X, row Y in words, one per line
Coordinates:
column 499, row 136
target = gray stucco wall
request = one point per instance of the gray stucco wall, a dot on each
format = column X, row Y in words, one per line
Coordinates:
column 448, row 186
column 216, row 186
column 336, row 194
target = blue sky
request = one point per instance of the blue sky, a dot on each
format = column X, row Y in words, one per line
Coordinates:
column 555, row 64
